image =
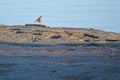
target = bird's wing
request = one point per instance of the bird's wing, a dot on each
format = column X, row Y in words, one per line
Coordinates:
column 37, row 20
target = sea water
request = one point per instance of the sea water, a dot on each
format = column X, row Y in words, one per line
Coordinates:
column 98, row 14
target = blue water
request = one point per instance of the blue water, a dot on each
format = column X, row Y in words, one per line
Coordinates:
column 98, row 14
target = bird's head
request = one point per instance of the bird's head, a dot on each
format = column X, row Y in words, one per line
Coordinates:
column 40, row 16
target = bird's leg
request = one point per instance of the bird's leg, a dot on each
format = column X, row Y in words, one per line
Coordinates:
column 41, row 24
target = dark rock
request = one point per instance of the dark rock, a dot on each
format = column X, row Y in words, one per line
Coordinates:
column 93, row 44
column 111, row 40
column 56, row 37
column 91, row 36
column 38, row 25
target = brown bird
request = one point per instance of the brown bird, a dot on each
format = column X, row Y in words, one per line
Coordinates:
column 40, row 19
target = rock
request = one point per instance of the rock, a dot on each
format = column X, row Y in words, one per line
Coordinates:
column 17, row 31
column 36, row 33
column 76, row 35
column 38, row 25
column 91, row 36
column 111, row 40
column 56, row 37
column 3, row 26
column 93, row 44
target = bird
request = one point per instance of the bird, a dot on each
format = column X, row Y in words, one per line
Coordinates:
column 40, row 19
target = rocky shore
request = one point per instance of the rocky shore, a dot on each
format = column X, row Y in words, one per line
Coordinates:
column 30, row 52
column 42, row 34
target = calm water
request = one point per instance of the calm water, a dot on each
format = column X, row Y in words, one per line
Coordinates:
column 102, row 14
